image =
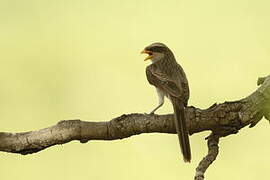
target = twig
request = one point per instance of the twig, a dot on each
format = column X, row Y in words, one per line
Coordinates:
column 212, row 144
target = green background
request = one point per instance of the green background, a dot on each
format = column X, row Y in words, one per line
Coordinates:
column 67, row 59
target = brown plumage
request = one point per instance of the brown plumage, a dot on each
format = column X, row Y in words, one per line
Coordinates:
column 170, row 80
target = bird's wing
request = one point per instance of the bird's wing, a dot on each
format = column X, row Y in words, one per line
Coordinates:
column 163, row 82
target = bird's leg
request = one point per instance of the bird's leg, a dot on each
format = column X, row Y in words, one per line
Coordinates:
column 160, row 104
column 160, row 100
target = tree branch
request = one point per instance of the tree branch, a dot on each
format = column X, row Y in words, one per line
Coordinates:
column 222, row 119
column 212, row 143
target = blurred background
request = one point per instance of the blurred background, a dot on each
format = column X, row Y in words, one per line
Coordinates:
column 67, row 59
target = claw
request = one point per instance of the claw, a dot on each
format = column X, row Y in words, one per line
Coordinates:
column 150, row 114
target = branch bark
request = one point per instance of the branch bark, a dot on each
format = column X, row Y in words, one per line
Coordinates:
column 222, row 119
column 212, row 144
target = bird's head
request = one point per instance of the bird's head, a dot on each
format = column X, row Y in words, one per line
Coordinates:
column 156, row 52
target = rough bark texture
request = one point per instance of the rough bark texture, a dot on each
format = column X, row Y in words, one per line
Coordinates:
column 212, row 143
column 222, row 119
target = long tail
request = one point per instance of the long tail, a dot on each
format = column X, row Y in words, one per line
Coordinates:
column 181, row 129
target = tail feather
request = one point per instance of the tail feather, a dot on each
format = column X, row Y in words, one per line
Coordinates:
column 181, row 129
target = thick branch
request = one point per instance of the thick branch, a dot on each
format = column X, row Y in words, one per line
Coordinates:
column 222, row 119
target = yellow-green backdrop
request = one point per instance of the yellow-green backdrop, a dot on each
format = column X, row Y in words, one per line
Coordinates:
column 66, row 59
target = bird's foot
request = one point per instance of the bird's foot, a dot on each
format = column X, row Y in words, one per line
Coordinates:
column 150, row 114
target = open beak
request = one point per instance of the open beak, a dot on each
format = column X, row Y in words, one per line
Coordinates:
column 150, row 54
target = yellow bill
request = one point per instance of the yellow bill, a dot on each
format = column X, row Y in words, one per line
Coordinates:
column 150, row 54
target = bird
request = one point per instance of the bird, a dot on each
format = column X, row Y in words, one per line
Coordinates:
column 170, row 80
